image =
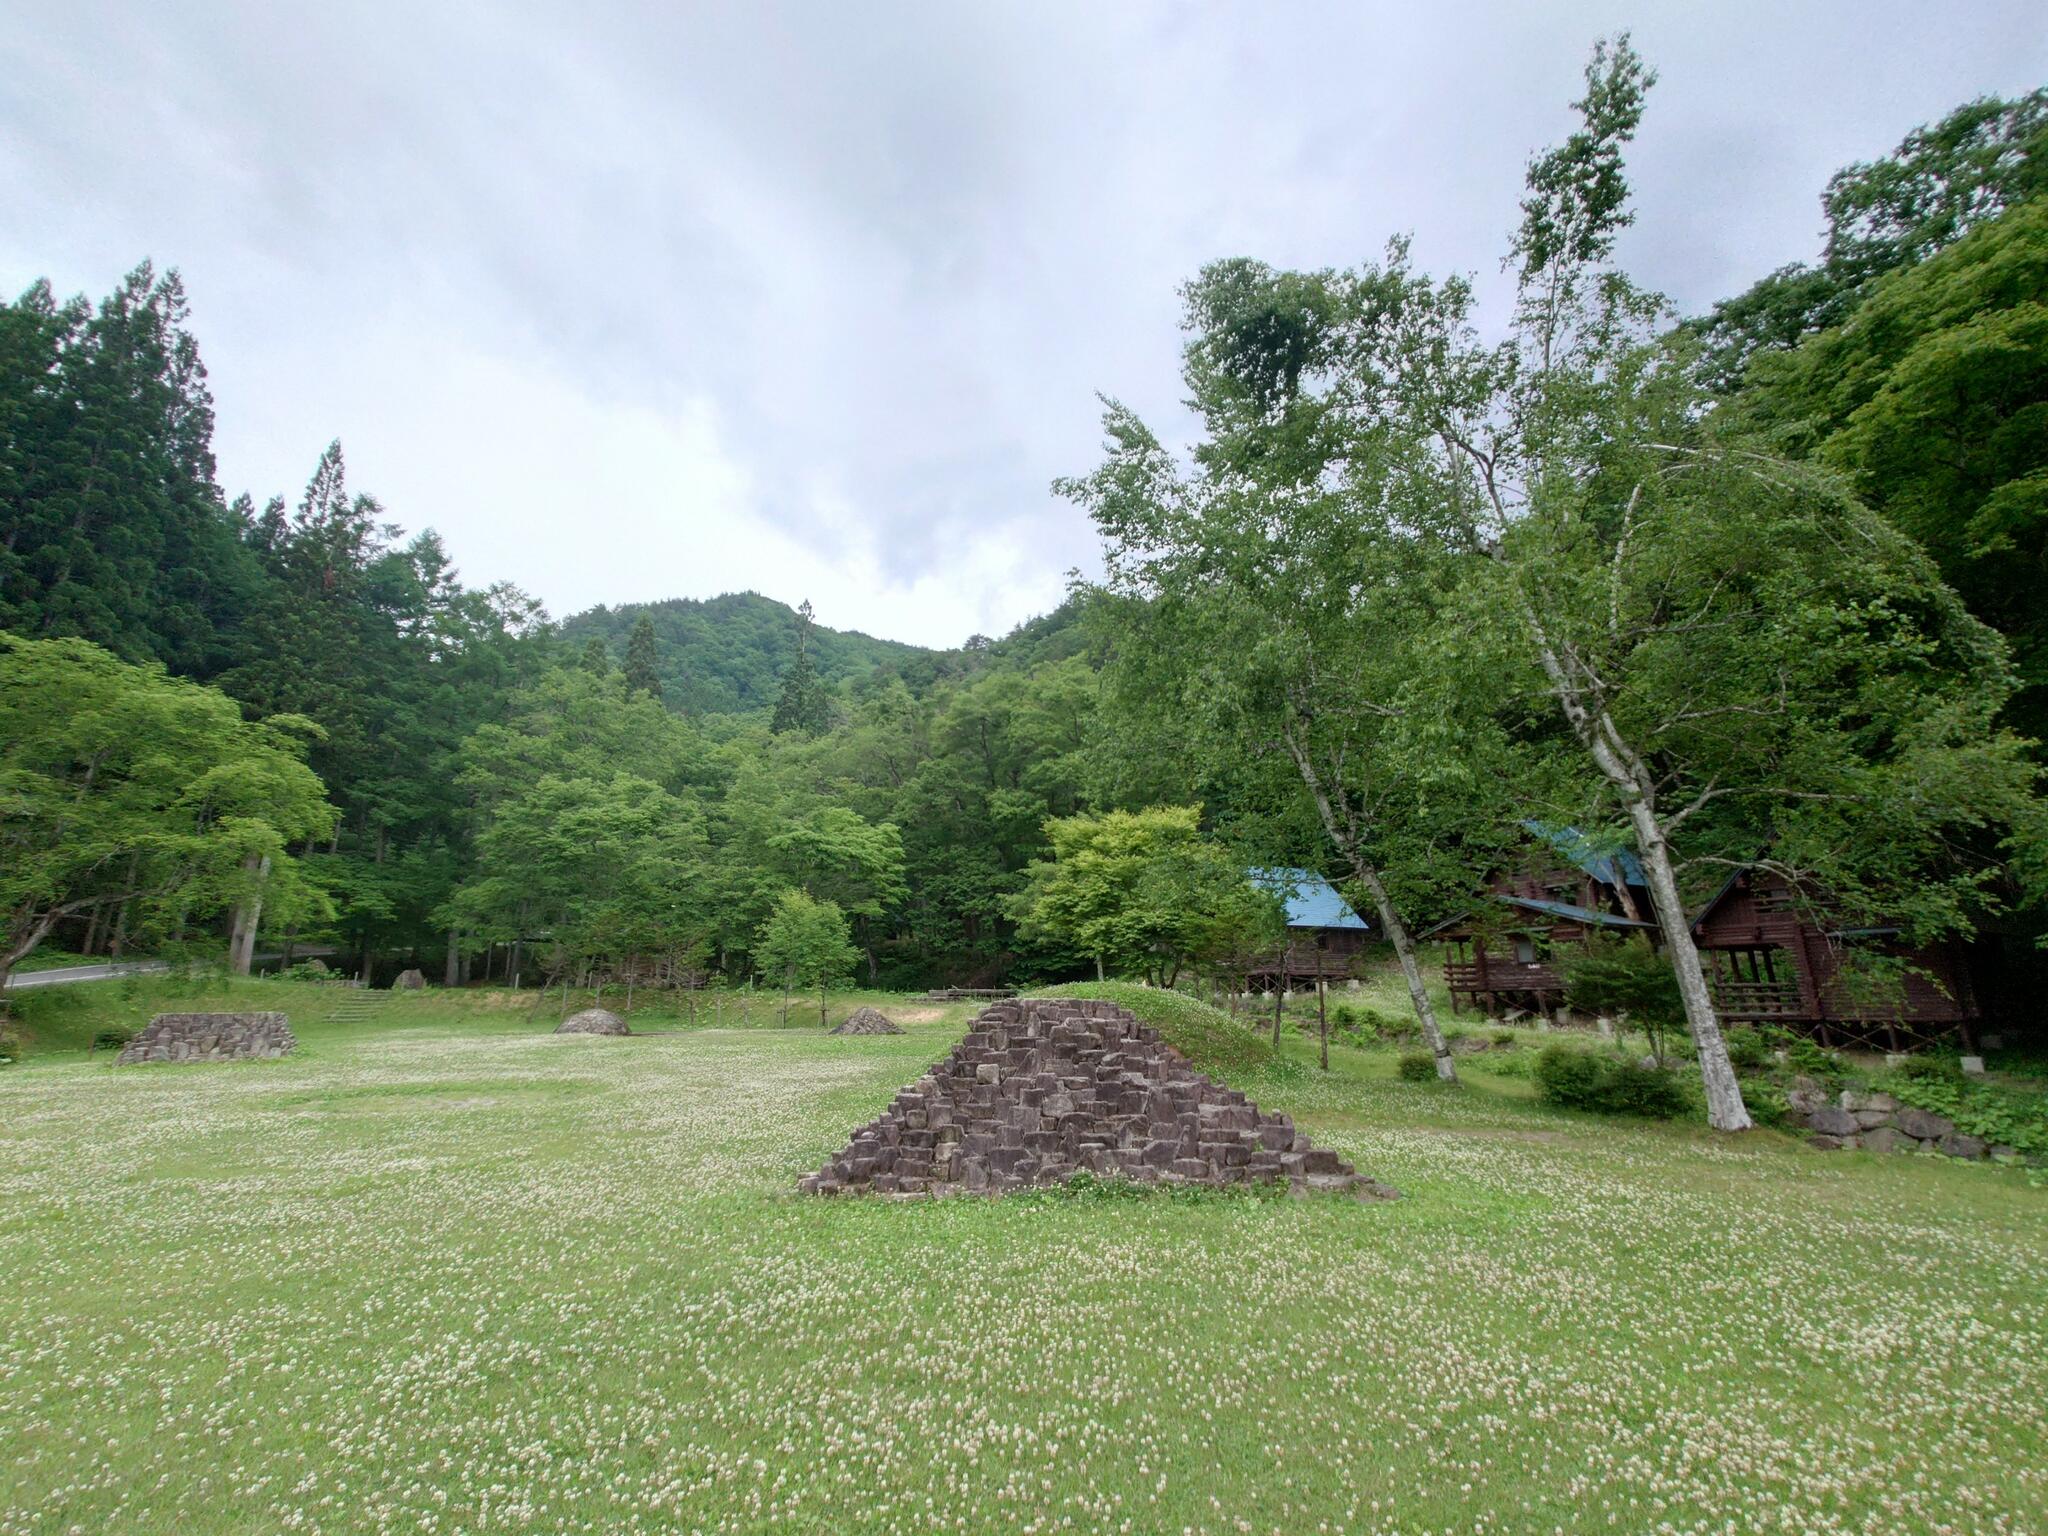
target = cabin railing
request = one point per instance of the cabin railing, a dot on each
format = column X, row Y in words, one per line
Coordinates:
column 1501, row 976
column 1757, row 999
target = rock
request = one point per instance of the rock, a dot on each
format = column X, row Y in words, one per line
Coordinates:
column 593, row 1021
column 409, row 981
column 210, row 1037
column 1833, row 1122
column 1885, row 1139
column 1856, row 1101
column 1973, row 1066
column 867, row 1021
column 1831, row 1143
column 1805, row 1096
column 1924, row 1124
column 1956, row 1144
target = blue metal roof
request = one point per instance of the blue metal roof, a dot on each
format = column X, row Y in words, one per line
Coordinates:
column 1576, row 913
column 1312, row 902
column 1612, row 868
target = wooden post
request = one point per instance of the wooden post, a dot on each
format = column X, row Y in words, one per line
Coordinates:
column 1323, row 1018
column 1279, row 996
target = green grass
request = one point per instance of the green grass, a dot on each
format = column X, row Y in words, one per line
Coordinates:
column 448, row 1272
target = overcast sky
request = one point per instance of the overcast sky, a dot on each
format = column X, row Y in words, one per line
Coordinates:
column 672, row 299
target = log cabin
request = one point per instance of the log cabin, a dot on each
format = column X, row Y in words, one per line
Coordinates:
column 1503, row 954
column 1325, row 938
column 1767, row 957
column 1769, row 961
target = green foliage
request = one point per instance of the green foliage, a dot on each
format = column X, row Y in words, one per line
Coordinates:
column 121, row 785
column 1629, row 981
column 1143, row 890
column 1605, row 1084
column 1416, row 1067
column 2008, row 1116
column 727, row 655
column 804, row 943
column 641, row 673
column 802, row 705
column 1933, row 403
column 1883, row 216
column 112, row 1037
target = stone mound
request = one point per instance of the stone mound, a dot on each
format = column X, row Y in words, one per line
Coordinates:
column 1044, row 1088
column 409, row 981
column 867, row 1021
column 593, row 1021
column 209, row 1037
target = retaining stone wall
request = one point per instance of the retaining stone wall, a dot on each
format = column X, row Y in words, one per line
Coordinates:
column 209, row 1037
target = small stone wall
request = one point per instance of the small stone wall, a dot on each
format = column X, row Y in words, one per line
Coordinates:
column 1877, row 1122
column 210, row 1037
column 1044, row 1088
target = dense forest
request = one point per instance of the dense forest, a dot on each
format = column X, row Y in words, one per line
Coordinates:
column 1761, row 583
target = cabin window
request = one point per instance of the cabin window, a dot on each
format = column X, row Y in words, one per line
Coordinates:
column 1525, row 951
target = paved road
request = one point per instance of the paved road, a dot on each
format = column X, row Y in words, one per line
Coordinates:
column 21, row 980
column 58, row 975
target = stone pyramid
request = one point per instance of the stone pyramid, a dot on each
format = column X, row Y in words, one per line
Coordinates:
column 867, row 1021
column 1044, row 1088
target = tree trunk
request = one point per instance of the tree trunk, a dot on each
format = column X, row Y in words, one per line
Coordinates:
column 1725, row 1109
column 1390, row 920
column 1279, row 997
column 1623, row 769
column 1411, row 969
column 822, row 1020
column 1323, row 1019
column 242, row 947
column 1098, row 969
column 451, row 972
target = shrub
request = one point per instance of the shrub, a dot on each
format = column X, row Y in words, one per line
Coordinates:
column 111, row 1037
column 1605, row 1085
column 1931, row 1067
column 1417, row 1067
column 10, row 1045
column 1504, row 1037
column 1748, row 1050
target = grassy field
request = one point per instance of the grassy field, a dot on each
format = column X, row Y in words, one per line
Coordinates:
column 445, row 1272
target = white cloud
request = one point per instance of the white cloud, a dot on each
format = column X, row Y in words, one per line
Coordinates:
column 662, row 301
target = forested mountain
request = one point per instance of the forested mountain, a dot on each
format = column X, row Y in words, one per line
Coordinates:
column 726, row 655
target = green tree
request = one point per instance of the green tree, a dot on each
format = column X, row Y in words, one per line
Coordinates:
column 1883, row 216
column 1136, row 890
column 642, row 675
column 123, row 787
column 804, row 943
column 803, row 705
column 1933, row 402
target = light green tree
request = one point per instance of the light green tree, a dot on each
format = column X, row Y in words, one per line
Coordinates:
column 804, row 944
column 123, row 787
column 1138, row 890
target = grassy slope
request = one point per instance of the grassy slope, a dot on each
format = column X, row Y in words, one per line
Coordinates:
column 1208, row 1037
column 446, row 1271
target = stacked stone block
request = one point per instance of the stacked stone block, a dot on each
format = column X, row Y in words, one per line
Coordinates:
column 209, row 1037
column 1044, row 1088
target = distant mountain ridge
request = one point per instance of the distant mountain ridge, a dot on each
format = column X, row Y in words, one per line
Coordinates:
column 726, row 655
